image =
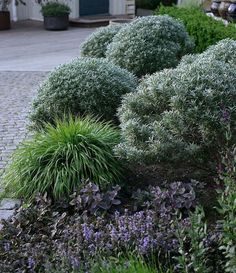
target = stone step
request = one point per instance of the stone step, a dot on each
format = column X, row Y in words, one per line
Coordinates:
column 9, row 204
column 96, row 20
column 7, row 208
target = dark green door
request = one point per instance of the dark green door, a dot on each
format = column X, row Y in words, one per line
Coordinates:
column 92, row 7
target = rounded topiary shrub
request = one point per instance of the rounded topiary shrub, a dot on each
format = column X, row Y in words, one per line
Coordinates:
column 84, row 86
column 150, row 44
column 180, row 115
column 96, row 44
column 225, row 51
column 59, row 159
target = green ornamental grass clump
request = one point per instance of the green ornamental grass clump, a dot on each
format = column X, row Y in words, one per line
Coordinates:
column 150, row 44
column 96, row 44
column 180, row 116
column 205, row 31
column 57, row 160
column 84, row 86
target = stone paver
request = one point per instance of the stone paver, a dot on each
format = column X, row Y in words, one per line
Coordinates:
column 7, row 209
column 6, row 214
column 17, row 90
column 9, row 204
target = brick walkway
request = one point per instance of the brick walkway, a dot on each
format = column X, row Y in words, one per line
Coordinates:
column 17, row 90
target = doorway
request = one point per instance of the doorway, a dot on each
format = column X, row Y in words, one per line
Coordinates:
column 93, row 7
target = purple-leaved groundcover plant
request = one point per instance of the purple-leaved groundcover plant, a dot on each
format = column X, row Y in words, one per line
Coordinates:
column 92, row 223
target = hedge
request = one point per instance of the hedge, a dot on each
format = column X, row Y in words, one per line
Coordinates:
column 205, row 30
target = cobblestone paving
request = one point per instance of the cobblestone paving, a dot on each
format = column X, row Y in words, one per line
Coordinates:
column 17, row 90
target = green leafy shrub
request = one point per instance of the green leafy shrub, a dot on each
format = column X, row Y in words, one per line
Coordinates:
column 55, row 9
column 58, row 160
column 180, row 115
column 205, row 30
column 96, row 44
column 193, row 259
column 150, row 44
column 227, row 210
column 84, row 86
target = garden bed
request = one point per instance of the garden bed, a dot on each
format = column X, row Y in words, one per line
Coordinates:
column 131, row 165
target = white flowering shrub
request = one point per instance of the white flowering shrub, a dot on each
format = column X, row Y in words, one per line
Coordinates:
column 150, row 44
column 84, row 86
column 96, row 44
column 180, row 115
column 224, row 50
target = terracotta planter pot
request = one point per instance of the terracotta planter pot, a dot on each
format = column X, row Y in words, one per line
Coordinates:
column 232, row 12
column 5, row 22
column 223, row 9
column 56, row 22
column 215, row 8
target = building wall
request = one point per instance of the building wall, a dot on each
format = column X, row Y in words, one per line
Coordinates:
column 32, row 10
column 117, row 7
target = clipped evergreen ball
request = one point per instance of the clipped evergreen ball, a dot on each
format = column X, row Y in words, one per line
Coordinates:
column 96, row 44
column 224, row 50
column 59, row 159
column 181, row 116
column 84, row 86
column 150, row 44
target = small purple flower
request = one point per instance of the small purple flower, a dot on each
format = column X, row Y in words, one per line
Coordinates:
column 7, row 246
column 114, row 234
column 147, row 244
column 87, row 231
column 75, row 262
column 225, row 115
column 92, row 248
column 31, row 263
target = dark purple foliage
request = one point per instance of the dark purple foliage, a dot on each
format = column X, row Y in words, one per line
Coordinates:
column 91, row 199
column 47, row 236
column 166, row 202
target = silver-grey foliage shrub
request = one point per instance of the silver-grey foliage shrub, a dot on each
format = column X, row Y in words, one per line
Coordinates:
column 150, row 44
column 96, row 44
column 180, row 115
column 84, row 86
column 224, row 50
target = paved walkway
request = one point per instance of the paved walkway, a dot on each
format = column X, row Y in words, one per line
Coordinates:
column 27, row 54
column 28, row 47
column 17, row 90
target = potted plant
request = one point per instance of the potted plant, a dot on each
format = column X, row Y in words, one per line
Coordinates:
column 5, row 21
column 56, row 15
